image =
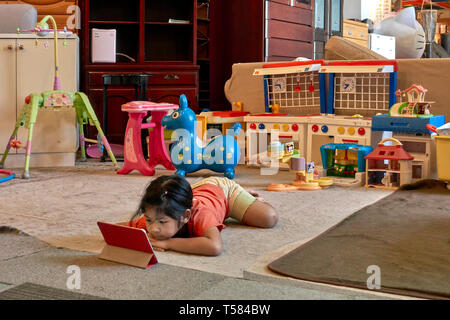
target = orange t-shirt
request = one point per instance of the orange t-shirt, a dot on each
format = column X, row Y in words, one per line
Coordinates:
column 209, row 209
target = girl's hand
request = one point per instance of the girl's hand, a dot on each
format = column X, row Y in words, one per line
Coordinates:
column 159, row 245
column 255, row 194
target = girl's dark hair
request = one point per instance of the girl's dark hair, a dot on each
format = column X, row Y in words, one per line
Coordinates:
column 170, row 195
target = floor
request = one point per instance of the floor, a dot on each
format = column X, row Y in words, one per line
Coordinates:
column 24, row 259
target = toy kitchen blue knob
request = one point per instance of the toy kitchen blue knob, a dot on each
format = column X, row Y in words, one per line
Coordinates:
column 261, row 126
column 324, row 129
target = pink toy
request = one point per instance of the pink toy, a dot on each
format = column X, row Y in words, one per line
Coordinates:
column 133, row 156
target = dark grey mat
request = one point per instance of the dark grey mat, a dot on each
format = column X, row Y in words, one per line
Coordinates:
column 406, row 235
column 31, row 291
column 15, row 244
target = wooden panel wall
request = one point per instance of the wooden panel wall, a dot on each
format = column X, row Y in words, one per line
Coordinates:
column 56, row 8
column 290, row 31
column 237, row 35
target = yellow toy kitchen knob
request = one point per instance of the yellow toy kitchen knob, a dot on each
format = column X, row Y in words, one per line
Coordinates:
column 351, row 130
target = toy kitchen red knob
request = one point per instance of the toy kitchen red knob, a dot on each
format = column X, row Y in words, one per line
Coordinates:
column 361, row 131
column 295, row 127
column 315, row 128
column 253, row 126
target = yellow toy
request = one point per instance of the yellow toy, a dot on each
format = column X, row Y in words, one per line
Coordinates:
column 306, row 177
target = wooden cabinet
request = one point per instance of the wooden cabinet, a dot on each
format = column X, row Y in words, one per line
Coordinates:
column 357, row 32
column 203, row 56
column 29, row 68
column 153, row 37
column 8, row 83
column 288, row 30
column 254, row 31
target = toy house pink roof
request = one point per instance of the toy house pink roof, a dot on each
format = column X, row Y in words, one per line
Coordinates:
column 383, row 152
column 416, row 86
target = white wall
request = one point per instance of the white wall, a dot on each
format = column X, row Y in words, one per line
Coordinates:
column 357, row 9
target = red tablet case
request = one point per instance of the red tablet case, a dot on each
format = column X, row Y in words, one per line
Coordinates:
column 127, row 245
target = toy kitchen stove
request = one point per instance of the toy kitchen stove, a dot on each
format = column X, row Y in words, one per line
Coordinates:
column 263, row 129
column 330, row 128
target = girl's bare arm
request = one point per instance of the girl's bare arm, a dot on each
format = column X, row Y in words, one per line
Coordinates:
column 210, row 244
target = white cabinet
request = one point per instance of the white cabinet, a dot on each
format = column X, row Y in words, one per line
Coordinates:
column 381, row 44
column 28, row 67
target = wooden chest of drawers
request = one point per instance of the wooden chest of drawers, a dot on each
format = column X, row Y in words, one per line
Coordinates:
column 357, row 32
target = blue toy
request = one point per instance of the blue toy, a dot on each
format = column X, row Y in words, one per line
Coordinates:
column 221, row 154
column 9, row 175
column 344, row 159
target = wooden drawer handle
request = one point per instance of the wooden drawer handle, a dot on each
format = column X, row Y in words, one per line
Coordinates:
column 349, row 32
column 171, row 77
column 10, row 47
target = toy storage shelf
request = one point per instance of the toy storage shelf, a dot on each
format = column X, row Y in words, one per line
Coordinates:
column 153, row 37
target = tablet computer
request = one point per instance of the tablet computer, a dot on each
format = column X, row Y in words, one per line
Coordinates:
column 127, row 245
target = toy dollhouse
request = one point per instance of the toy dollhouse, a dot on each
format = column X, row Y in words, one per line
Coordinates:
column 416, row 106
column 408, row 120
column 388, row 166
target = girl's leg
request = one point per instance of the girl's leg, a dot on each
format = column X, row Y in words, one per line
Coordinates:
column 260, row 214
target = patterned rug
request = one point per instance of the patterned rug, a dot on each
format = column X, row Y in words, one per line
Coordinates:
column 61, row 207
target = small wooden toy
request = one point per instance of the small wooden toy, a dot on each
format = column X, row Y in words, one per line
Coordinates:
column 306, row 177
column 238, row 106
column 397, row 171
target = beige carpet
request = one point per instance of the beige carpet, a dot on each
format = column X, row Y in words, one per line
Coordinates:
column 62, row 205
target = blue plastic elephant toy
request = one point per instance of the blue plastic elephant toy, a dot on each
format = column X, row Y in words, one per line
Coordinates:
column 221, row 154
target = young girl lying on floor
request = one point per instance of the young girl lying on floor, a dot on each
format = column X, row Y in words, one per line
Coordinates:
column 189, row 219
